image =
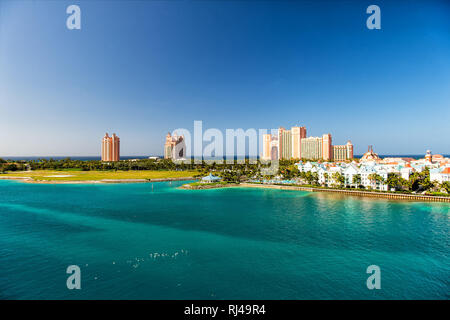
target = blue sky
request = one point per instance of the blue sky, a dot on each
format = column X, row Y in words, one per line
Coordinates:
column 143, row 68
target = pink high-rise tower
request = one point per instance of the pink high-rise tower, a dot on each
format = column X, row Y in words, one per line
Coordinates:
column 110, row 148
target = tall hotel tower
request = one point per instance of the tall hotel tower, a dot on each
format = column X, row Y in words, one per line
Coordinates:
column 293, row 144
column 297, row 133
column 175, row 147
column 315, row 148
column 343, row 152
column 270, row 147
column 285, row 143
column 327, row 150
column 110, row 148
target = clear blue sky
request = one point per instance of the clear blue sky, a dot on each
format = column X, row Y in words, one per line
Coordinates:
column 142, row 68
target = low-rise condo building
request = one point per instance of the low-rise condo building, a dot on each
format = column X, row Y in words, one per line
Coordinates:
column 374, row 172
column 440, row 175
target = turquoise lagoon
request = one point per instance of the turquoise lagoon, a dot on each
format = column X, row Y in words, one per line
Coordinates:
column 132, row 241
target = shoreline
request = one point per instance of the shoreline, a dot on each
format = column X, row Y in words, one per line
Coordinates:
column 31, row 180
column 357, row 193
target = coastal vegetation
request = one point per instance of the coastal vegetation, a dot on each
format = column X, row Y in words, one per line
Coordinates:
column 230, row 173
column 6, row 166
column 79, row 170
column 128, row 165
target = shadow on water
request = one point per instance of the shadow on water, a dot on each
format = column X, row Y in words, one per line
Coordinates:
column 294, row 217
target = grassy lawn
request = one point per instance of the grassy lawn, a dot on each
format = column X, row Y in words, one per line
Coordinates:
column 66, row 175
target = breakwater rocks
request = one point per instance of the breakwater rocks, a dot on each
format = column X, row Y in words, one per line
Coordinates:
column 202, row 186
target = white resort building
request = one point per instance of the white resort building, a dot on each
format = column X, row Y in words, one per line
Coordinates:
column 372, row 166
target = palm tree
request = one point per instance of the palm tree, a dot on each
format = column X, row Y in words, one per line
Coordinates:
column 373, row 179
column 315, row 178
column 326, row 176
column 446, row 186
column 339, row 179
column 356, row 180
column 376, row 179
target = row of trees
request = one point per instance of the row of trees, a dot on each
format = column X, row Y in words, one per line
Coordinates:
column 418, row 182
column 6, row 166
column 139, row 164
column 235, row 171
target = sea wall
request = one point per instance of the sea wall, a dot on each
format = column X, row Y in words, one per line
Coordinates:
column 385, row 195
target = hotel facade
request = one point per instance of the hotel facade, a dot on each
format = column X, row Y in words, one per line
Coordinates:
column 174, row 147
column 370, row 164
column 294, row 144
column 270, row 147
column 110, row 148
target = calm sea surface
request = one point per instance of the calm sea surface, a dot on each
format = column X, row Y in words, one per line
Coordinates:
column 135, row 242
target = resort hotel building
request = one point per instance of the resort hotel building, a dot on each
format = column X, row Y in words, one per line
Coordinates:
column 371, row 164
column 175, row 147
column 294, row 144
column 110, row 148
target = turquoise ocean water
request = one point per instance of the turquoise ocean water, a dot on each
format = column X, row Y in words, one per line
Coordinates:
column 132, row 242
